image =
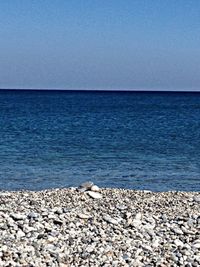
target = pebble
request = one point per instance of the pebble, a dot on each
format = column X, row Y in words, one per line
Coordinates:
column 136, row 223
column 94, row 195
column 87, row 185
column 177, row 230
column 90, row 249
column 155, row 243
column 147, row 191
column 32, row 215
column 18, row 216
column 196, row 244
column 83, row 216
column 196, row 198
column 82, row 189
column 95, row 188
column 108, row 219
column 20, row 234
column 178, row 243
column 122, row 207
column 138, row 216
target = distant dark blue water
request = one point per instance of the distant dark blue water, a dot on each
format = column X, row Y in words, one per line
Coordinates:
column 129, row 140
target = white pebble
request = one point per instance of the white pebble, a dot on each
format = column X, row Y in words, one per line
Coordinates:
column 94, row 194
column 95, row 188
column 108, row 219
column 83, row 216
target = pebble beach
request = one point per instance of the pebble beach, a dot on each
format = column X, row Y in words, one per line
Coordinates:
column 92, row 226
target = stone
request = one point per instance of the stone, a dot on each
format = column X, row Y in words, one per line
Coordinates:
column 86, row 185
column 147, row 191
column 28, row 229
column 196, row 244
column 84, row 216
column 178, row 243
column 32, row 215
column 174, row 257
column 122, row 207
column 138, row 216
column 109, row 219
column 18, row 216
column 94, row 195
column 82, row 189
column 177, row 230
column 155, row 243
column 146, row 247
column 196, row 198
column 95, row 188
column 20, row 234
column 58, row 211
column 136, row 223
column 90, row 249
column 190, row 222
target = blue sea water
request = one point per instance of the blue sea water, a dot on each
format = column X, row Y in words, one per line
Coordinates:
column 137, row 140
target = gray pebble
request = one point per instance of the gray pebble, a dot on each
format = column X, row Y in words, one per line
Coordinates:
column 87, row 185
column 196, row 198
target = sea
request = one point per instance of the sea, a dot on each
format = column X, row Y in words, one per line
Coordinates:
column 133, row 140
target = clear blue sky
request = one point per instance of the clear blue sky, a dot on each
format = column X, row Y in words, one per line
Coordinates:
column 100, row 44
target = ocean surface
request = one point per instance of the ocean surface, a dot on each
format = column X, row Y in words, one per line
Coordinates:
column 140, row 140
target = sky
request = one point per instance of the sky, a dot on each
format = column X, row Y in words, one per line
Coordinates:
column 100, row 44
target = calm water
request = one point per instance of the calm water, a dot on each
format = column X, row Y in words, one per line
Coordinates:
column 129, row 140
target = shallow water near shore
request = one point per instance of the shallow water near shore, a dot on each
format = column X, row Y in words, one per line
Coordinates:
column 127, row 140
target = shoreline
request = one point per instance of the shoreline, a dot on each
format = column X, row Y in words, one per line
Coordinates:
column 108, row 227
column 76, row 188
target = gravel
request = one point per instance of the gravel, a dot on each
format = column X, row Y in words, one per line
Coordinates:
column 73, row 227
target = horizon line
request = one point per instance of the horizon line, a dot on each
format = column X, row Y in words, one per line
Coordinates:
column 102, row 90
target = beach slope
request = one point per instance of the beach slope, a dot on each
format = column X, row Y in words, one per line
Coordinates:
column 112, row 227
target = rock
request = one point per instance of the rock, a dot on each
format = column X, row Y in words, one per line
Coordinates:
column 147, row 191
column 126, row 257
column 58, row 211
column 186, row 231
column 18, row 216
column 136, row 223
column 190, row 222
column 20, row 234
column 86, row 185
column 122, row 207
column 32, row 215
column 108, row 219
column 196, row 198
column 95, row 188
column 177, row 230
column 28, row 229
column 178, row 243
column 84, row 216
column 82, row 189
column 95, row 195
column 174, row 257
column 90, row 249
column 57, row 222
column 155, row 243
column 138, row 216
column 146, row 247
column 149, row 226
column 5, row 194
column 196, row 244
